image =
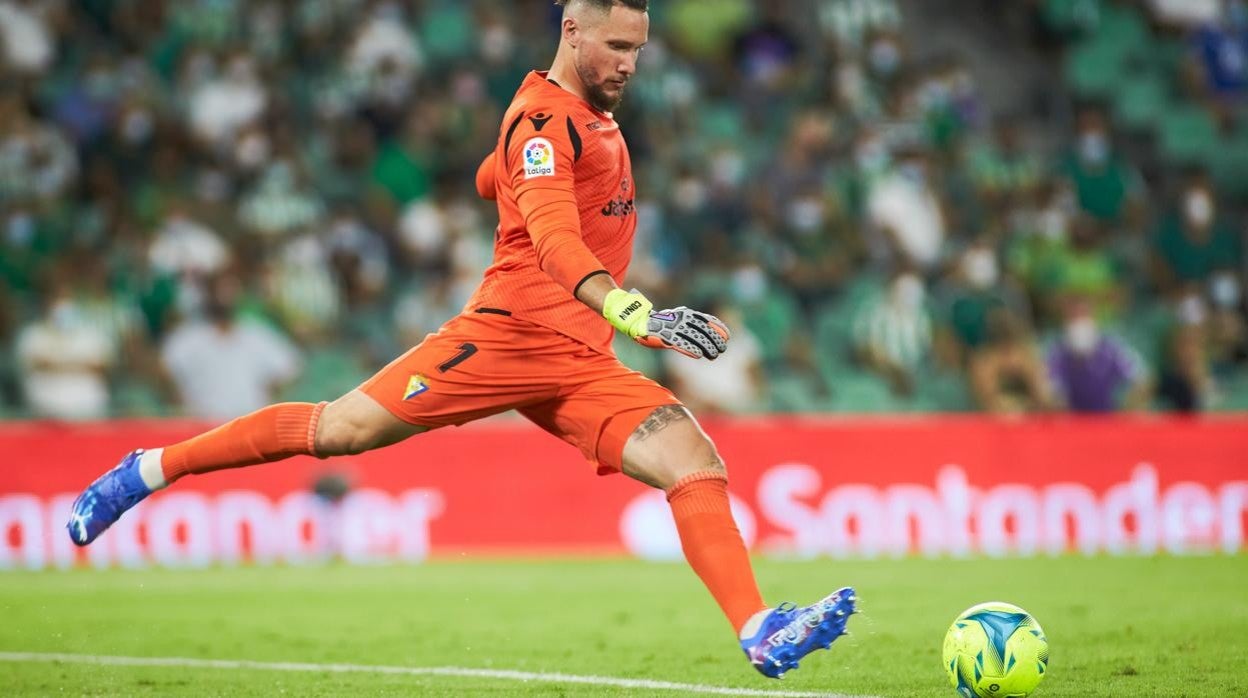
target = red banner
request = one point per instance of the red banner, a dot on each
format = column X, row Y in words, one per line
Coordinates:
column 801, row 486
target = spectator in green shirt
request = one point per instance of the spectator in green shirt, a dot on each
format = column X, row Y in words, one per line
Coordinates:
column 1194, row 241
column 1105, row 183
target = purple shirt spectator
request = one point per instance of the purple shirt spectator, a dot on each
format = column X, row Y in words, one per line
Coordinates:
column 1092, row 381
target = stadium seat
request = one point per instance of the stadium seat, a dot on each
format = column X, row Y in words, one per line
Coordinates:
column 1228, row 164
column 789, row 391
column 942, row 391
column 1092, row 68
column 1144, row 329
column 1070, row 17
column 133, row 398
column 1095, row 67
column 1123, row 27
column 1139, row 101
column 1187, row 135
column 860, row 391
column 772, row 319
column 1233, row 393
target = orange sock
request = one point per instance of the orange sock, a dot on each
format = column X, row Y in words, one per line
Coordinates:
column 269, row 434
column 713, row 545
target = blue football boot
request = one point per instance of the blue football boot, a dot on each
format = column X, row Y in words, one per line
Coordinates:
column 789, row 633
column 110, row 496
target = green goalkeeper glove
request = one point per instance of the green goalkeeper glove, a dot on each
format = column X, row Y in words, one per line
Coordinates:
column 694, row 334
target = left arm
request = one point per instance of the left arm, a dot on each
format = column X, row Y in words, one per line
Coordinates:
column 486, row 187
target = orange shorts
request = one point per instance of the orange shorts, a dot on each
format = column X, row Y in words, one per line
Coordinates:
column 480, row 364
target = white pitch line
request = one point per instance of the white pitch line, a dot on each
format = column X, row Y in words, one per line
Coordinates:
column 507, row 675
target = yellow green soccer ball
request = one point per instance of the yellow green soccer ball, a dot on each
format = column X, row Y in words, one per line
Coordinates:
column 995, row 650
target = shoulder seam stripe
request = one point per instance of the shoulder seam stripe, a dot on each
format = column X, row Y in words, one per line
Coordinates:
column 507, row 141
column 576, row 140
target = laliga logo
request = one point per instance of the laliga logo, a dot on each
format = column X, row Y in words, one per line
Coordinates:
column 537, row 154
column 539, row 158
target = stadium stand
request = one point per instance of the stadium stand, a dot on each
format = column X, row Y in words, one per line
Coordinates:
column 793, row 159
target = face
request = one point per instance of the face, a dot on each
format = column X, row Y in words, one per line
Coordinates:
column 605, row 49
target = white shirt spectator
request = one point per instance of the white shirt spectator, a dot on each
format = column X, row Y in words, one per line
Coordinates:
column 896, row 325
column 25, row 40
column 62, row 361
column 277, row 204
column 1187, row 13
column 36, row 161
column 849, row 21
column 186, row 246
column 727, row 383
column 907, row 207
column 221, row 107
column 384, row 40
column 304, row 287
column 224, row 373
column 423, row 228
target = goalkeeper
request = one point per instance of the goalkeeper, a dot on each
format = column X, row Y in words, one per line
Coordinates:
column 533, row 338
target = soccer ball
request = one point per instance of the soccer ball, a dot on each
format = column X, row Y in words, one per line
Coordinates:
column 995, row 650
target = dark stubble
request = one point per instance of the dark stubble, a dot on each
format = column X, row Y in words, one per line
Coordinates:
column 595, row 94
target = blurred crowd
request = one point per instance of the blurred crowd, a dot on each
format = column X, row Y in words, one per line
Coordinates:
column 207, row 205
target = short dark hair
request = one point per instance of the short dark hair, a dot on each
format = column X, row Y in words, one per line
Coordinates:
column 606, row 5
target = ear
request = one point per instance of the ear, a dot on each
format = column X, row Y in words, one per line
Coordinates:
column 571, row 31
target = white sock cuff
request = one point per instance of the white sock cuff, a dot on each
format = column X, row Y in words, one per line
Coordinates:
column 753, row 624
column 150, row 469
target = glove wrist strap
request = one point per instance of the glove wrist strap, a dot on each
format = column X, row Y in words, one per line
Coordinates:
column 628, row 312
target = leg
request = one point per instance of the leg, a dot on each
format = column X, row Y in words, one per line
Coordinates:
column 668, row 446
column 397, row 402
column 625, row 422
column 352, row 424
column 355, row 423
column 349, row 425
column 668, row 450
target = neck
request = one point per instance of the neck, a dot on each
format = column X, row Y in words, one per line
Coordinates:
column 563, row 72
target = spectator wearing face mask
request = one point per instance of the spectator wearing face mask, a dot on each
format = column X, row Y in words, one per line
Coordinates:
column 223, row 365
column 223, row 105
column 1185, row 382
column 823, row 247
column 1228, row 329
column 1094, row 372
column 1194, row 241
column 1007, row 373
column 905, row 210
column 1105, row 184
column 970, row 296
column 892, row 332
column 63, row 360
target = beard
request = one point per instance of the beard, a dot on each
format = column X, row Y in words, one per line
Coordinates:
column 596, row 94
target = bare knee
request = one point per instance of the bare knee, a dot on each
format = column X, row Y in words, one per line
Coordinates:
column 355, row 423
column 667, row 446
column 340, row 433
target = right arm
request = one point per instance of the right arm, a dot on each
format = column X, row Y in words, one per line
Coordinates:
column 540, row 163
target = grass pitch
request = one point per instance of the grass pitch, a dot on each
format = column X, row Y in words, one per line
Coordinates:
column 1117, row 627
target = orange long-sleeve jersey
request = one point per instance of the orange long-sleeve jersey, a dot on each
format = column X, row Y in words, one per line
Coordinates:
column 563, row 183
